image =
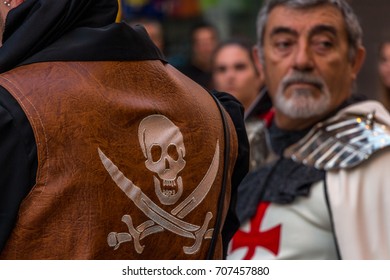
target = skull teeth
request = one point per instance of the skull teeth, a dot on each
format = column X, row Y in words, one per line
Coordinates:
column 169, row 187
column 169, row 183
column 169, row 192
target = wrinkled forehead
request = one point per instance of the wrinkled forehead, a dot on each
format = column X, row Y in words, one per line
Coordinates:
column 309, row 20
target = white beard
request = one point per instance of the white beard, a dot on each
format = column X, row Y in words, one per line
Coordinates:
column 302, row 103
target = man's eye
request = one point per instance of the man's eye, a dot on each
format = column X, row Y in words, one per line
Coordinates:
column 323, row 45
column 283, row 45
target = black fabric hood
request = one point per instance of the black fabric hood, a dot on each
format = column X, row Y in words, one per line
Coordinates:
column 61, row 30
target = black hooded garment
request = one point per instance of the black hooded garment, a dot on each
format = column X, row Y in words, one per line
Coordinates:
column 71, row 30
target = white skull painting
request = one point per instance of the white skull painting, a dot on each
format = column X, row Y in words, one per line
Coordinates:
column 163, row 147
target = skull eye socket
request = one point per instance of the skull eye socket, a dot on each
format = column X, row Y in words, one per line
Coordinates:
column 172, row 152
column 156, row 153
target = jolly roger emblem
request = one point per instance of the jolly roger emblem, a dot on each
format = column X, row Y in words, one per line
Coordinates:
column 157, row 132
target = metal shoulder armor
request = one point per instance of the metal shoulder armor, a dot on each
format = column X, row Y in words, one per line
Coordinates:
column 341, row 142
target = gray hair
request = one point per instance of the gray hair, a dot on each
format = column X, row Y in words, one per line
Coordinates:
column 353, row 28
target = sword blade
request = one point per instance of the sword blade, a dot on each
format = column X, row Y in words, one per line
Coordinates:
column 198, row 195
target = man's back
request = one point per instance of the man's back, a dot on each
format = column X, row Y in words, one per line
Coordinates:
column 124, row 171
column 107, row 128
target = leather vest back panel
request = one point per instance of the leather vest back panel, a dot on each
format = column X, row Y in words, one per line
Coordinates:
column 130, row 162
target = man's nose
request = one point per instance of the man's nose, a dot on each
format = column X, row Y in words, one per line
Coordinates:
column 303, row 58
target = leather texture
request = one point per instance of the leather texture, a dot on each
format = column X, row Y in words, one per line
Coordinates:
column 100, row 129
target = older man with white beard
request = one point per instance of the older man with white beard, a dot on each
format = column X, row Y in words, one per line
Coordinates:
column 327, row 194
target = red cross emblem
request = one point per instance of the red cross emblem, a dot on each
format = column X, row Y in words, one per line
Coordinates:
column 269, row 239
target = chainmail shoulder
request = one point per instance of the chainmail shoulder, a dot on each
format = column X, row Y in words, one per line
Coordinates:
column 342, row 142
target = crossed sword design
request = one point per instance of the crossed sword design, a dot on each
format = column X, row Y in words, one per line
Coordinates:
column 159, row 218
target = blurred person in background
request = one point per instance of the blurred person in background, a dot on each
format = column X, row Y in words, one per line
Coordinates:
column 154, row 28
column 204, row 39
column 384, row 72
column 235, row 72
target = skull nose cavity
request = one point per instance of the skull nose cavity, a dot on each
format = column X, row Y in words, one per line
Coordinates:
column 166, row 163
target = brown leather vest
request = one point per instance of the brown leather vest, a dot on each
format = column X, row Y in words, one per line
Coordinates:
column 130, row 163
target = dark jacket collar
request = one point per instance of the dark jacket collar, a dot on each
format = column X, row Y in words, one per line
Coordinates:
column 63, row 30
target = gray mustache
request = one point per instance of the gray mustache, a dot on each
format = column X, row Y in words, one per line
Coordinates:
column 299, row 77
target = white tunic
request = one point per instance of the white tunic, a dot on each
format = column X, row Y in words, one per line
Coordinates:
column 359, row 201
column 276, row 235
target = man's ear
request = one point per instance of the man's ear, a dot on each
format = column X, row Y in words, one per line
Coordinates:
column 358, row 61
column 256, row 57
